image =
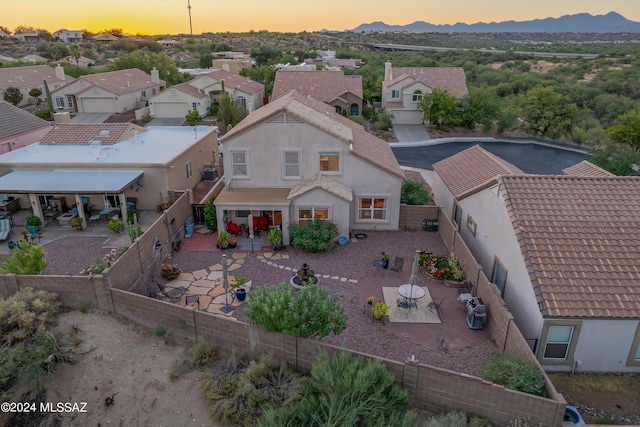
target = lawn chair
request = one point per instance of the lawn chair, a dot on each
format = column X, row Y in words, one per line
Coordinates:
column 434, row 306
column 398, row 263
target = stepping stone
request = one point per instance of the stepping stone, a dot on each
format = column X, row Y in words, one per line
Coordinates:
column 179, row 283
column 215, row 275
column 353, row 281
column 240, row 261
column 215, row 309
column 334, row 277
column 216, row 291
column 270, row 263
column 185, row 276
column 247, row 285
column 220, row 299
column 261, row 258
column 234, row 267
column 200, row 274
column 343, row 279
column 239, row 255
column 281, row 267
column 285, row 256
column 204, row 283
column 216, row 267
column 288, row 268
column 325, row 276
column 204, row 302
column 276, row 256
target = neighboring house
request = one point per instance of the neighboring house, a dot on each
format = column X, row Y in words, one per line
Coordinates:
column 19, row 128
column 27, row 36
column 404, row 87
column 109, row 161
column 113, row 92
column 168, row 43
column 32, row 76
column 205, row 90
column 231, row 65
column 561, row 251
column 228, row 55
column 83, row 61
column 105, row 62
column 104, row 38
column 69, row 36
column 327, row 58
column 343, row 93
column 296, row 159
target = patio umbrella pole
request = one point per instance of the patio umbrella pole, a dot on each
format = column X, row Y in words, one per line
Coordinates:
column 226, row 308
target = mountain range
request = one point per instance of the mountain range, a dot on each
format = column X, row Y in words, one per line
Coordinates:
column 612, row 22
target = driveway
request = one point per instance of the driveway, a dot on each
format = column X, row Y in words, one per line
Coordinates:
column 166, row 122
column 410, row 133
column 90, row 118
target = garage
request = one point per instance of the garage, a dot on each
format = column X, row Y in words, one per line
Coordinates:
column 97, row 105
column 168, row 110
column 404, row 117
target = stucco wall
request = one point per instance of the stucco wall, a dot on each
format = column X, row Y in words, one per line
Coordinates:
column 338, row 208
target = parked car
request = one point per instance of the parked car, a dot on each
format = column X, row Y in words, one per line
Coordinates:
column 572, row 415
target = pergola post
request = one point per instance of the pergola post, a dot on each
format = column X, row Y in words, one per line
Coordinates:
column 80, row 207
column 37, row 209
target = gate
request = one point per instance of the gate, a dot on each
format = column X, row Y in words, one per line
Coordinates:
column 197, row 212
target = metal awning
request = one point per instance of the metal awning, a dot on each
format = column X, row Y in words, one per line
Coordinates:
column 68, row 181
column 253, row 197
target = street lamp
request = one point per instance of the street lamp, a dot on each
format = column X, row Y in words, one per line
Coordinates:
column 226, row 308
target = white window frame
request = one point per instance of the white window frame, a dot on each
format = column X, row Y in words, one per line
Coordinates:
column 286, row 165
column 188, row 169
column 395, row 94
column 313, row 209
column 330, row 153
column 372, row 209
column 144, row 93
column 241, row 101
column 499, row 282
column 235, row 163
column 417, row 96
column 59, row 102
column 567, row 342
column 70, row 101
column 634, row 353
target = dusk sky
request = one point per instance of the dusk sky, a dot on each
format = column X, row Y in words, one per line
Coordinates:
column 171, row 16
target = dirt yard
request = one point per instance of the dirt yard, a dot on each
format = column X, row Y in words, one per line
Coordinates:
column 128, row 364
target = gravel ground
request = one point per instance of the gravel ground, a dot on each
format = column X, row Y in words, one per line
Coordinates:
column 351, row 261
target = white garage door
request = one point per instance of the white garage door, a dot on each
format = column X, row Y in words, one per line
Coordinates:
column 169, row 110
column 407, row 117
column 97, row 105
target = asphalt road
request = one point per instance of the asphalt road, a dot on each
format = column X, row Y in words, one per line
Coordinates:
column 529, row 157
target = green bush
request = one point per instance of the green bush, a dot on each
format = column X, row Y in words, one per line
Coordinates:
column 514, row 372
column 456, row 419
column 26, row 259
column 414, row 193
column 313, row 236
column 346, row 390
column 159, row 331
column 210, row 215
column 203, row 353
column 44, row 114
column 383, row 121
column 308, row 313
column 243, row 391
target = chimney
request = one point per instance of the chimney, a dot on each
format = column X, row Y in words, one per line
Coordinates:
column 63, row 117
column 388, row 74
column 155, row 76
column 225, row 66
column 60, row 73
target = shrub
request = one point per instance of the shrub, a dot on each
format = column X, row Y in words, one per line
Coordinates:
column 44, row 114
column 33, row 220
column 456, row 419
column 26, row 259
column 275, row 237
column 223, row 239
column 514, row 372
column 210, row 215
column 160, row 331
column 115, row 225
column 383, row 121
column 308, row 313
column 414, row 193
column 313, row 236
column 107, row 261
column 170, row 271
column 203, row 353
column 346, row 390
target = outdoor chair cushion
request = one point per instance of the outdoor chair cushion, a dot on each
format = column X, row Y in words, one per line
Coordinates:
column 233, row 228
column 5, row 228
column 260, row 222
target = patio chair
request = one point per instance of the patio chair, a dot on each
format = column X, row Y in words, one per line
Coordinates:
column 434, row 306
column 233, row 228
column 398, row 263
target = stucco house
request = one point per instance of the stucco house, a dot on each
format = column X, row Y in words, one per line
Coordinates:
column 104, row 38
column 32, row 76
column 19, row 128
column 82, row 61
column 296, row 159
column 69, row 36
column 343, row 93
column 27, row 36
column 403, row 87
column 205, row 90
column 561, row 250
column 232, row 65
column 113, row 92
column 107, row 162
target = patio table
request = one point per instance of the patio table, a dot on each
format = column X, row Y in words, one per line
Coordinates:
column 411, row 294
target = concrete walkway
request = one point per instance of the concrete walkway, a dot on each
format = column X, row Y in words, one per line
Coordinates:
column 410, row 133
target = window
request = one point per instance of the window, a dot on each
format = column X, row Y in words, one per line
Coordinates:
column 59, row 102
column 338, row 109
column 457, row 214
column 558, row 341
column 242, row 102
column 395, row 94
column 306, row 215
column 70, row 101
column 188, row 170
column 372, row 208
column 499, row 276
column 291, row 164
column 239, row 163
column 355, row 110
column 329, row 162
column 417, row 96
column 242, row 214
column 194, row 105
column 153, row 91
column 471, row 225
column 144, row 93
column 634, row 355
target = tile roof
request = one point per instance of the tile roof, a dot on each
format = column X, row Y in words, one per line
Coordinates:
column 189, row 90
column 232, row 80
column 586, row 168
column 15, row 121
column 121, row 81
column 580, row 239
column 316, row 113
column 30, row 76
column 324, row 182
column 324, row 86
column 452, row 79
column 87, row 133
column 472, row 170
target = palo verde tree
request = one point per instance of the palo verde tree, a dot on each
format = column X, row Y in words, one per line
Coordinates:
column 548, row 113
column 627, row 130
column 193, row 117
column 438, row 107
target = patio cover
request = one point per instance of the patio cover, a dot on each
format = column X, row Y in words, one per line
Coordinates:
column 68, row 181
column 257, row 198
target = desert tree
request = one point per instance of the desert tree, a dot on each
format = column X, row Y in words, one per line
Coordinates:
column 13, row 95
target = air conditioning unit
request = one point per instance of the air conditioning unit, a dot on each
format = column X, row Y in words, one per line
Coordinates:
column 209, row 174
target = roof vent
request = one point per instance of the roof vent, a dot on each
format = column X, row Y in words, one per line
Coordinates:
column 104, row 132
column 96, row 142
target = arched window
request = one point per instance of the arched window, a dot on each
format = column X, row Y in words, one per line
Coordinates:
column 417, row 96
column 354, row 109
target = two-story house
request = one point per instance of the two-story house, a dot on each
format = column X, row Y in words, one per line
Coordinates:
column 69, row 36
column 343, row 93
column 204, row 90
column 113, row 92
column 30, row 77
column 296, row 159
column 561, row 250
column 404, row 87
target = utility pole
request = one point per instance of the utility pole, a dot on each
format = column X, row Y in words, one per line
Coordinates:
column 189, row 7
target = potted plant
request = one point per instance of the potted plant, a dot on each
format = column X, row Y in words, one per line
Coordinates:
column 385, row 260
column 115, row 225
column 33, row 224
column 275, row 238
column 76, row 222
column 233, row 242
column 170, row 271
column 236, row 283
column 371, row 299
column 223, row 239
column 380, row 309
